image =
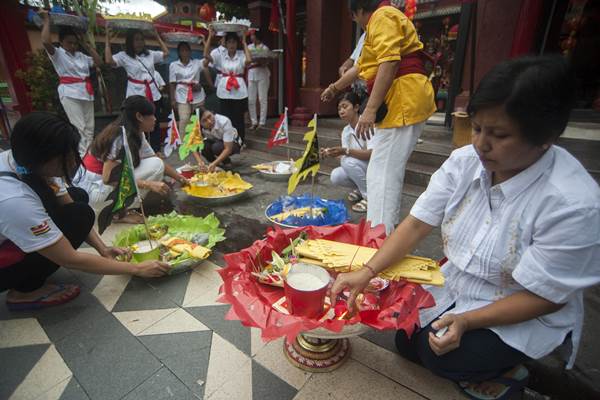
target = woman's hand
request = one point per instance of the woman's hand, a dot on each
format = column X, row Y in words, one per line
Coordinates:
column 158, row 187
column 329, row 93
column 355, row 281
column 365, row 128
column 457, row 326
column 212, row 167
column 44, row 15
column 183, row 181
column 122, row 253
column 151, row 269
column 336, row 151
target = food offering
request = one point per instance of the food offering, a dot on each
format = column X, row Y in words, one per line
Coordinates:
column 180, row 36
column 233, row 25
column 276, row 170
column 271, row 285
column 180, row 240
column 218, row 186
column 263, row 54
column 123, row 21
column 296, row 211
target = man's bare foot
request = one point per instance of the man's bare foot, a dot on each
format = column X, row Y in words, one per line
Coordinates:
column 51, row 290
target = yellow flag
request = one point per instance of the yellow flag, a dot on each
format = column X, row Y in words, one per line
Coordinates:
column 309, row 162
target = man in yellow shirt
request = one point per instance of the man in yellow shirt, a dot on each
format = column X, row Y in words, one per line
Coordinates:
column 391, row 64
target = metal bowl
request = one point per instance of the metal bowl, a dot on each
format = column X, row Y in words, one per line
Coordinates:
column 217, row 201
column 178, row 37
column 122, row 23
column 73, row 21
column 223, row 27
column 273, row 176
column 347, row 331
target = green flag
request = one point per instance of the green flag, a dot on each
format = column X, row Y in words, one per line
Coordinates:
column 125, row 191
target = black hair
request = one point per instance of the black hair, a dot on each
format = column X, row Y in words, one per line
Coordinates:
column 232, row 35
column 129, row 37
column 365, row 5
column 350, row 97
column 38, row 138
column 204, row 111
column 65, row 31
column 537, row 92
column 258, row 35
column 132, row 105
column 180, row 46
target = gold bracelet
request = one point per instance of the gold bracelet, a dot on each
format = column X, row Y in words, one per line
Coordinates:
column 367, row 266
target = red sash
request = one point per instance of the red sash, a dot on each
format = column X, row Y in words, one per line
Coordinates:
column 232, row 82
column 147, row 88
column 92, row 164
column 411, row 63
column 190, row 92
column 67, row 80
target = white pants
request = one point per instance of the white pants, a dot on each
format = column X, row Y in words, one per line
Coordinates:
column 262, row 89
column 385, row 174
column 81, row 114
column 185, row 111
column 352, row 172
column 150, row 169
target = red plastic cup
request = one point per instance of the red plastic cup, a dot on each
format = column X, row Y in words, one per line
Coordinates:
column 187, row 173
column 305, row 287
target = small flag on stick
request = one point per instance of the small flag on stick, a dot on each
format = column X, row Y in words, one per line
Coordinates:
column 125, row 191
column 193, row 140
column 309, row 162
column 173, row 139
column 280, row 134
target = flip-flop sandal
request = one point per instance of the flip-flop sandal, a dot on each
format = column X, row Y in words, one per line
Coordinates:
column 512, row 386
column 354, row 196
column 360, row 207
column 42, row 302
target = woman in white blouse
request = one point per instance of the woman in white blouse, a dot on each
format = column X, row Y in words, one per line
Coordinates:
column 187, row 93
column 139, row 62
column 75, row 89
column 520, row 222
column 258, row 83
column 231, row 86
column 354, row 154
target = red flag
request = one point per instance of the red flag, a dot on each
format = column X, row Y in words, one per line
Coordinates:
column 280, row 134
column 274, row 21
column 173, row 139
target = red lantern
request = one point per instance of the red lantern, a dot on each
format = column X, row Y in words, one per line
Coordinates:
column 207, row 12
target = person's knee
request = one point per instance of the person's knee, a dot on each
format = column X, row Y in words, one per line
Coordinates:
column 337, row 176
column 76, row 220
column 78, row 194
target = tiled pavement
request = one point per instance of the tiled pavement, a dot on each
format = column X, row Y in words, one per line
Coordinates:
column 128, row 338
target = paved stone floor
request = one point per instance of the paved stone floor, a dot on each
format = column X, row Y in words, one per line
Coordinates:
column 129, row 338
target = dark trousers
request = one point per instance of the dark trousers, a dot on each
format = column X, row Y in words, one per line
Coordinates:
column 75, row 220
column 482, row 355
column 154, row 136
column 213, row 148
column 234, row 110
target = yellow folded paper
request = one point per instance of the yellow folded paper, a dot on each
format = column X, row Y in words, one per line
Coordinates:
column 343, row 257
column 298, row 212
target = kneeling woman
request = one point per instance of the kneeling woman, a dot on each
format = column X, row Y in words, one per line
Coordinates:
column 221, row 140
column 354, row 154
column 137, row 117
column 42, row 223
column 520, row 222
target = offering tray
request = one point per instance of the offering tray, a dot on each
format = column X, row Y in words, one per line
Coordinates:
column 73, row 21
column 271, row 171
column 173, row 225
column 229, row 27
column 316, row 345
column 324, row 212
column 177, row 37
column 216, row 188
column 129, row 23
